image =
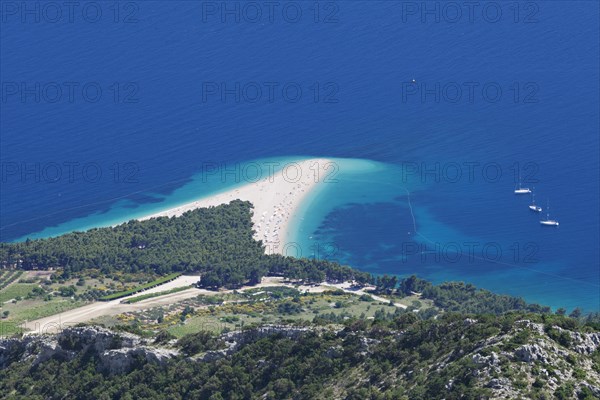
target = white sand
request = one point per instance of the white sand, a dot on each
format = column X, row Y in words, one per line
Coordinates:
column 276, row 200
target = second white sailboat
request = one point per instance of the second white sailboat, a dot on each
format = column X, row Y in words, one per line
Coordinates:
column 548, row 221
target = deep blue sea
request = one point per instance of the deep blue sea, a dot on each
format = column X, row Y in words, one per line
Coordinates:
column 432, row 111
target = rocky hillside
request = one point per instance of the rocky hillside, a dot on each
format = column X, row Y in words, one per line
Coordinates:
column 512, row 356
column 116, row 352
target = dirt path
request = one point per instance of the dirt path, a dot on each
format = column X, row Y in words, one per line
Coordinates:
column 115, row 307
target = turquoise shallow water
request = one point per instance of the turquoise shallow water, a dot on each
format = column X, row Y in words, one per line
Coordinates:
column 356, row 181
column 376, row 219
column 213, row 178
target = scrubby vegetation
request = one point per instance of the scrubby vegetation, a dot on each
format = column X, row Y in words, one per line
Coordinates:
column 141, row 288
column 403, row 357
column 456, row 296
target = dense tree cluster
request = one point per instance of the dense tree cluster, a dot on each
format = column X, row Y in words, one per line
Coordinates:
column 217, row 242
column 457, row 296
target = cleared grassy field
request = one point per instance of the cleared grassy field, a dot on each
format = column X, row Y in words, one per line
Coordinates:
column 231, row 316
column 33, row 309
column 16, row 290
column 8, row 328
column 48, row 301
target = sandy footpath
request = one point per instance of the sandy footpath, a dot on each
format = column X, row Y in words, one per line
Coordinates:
column 115, row 307
column 276, row 199
column 180, row 281
column 97, row 309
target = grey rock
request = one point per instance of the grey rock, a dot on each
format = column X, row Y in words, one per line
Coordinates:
column 212, row 355
column 499, row 384
column 594, row 389
column 119, row 361
column 583, row 343
column 117, row 351
column 491, row 360
column 334, row 352
column 531, row 353
column 534, row 326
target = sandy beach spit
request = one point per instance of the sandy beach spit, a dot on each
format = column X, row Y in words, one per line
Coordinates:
column 276, row 199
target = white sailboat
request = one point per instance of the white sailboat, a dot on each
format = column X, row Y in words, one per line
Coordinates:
column 548, row 221
column 521, row 190
column 533, row 206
